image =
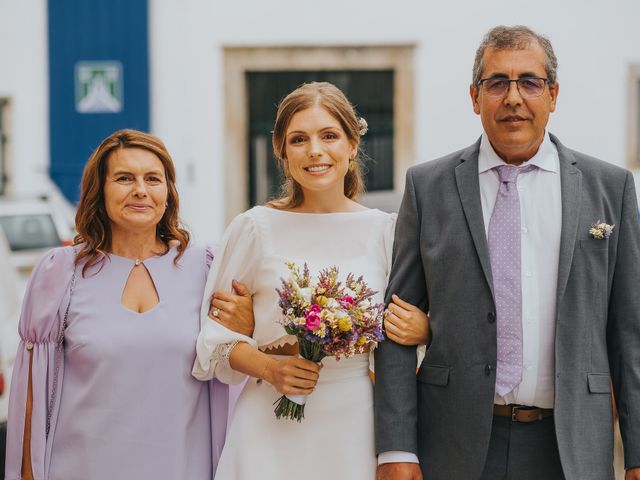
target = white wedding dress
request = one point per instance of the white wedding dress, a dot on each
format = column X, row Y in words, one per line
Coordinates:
column 336, row 438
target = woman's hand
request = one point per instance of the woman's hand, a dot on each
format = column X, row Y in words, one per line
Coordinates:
column 234, row 311
column 406, row 324
column 293, row 376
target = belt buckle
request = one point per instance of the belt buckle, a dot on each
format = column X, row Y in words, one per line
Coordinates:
column 514, row 411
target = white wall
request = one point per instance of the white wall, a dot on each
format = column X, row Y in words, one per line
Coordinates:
column 23, row 79
column 187, row 107
column 595, row 42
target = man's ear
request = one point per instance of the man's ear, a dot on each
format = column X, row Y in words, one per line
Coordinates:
column 553, row 91
column 474, row 92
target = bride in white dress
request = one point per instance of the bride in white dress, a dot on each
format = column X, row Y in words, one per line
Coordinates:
column 316, row 137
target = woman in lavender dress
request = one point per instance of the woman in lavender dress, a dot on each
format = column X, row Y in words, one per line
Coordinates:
column 116, row 400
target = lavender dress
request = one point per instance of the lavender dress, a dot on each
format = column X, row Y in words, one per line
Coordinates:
column 127, row 406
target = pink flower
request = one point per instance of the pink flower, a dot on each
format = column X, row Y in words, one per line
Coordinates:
column 313, row 318
column 347, row 301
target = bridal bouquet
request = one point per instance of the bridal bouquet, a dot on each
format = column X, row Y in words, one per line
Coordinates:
column 329, row 318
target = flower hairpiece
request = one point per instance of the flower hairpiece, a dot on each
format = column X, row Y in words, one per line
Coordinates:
column 600, row 230
column 364, row 126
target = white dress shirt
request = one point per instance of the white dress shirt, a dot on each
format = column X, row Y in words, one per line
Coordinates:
column 541, row 217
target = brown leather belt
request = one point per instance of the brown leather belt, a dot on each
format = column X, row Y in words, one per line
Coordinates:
column 522, row 413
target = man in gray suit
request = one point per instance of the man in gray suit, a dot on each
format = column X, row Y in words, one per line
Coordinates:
column 526, row 255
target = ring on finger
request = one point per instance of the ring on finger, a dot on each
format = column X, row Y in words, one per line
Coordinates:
column 215, row 312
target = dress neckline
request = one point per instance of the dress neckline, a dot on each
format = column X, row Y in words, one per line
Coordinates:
column 312, row 214
column 138, row 261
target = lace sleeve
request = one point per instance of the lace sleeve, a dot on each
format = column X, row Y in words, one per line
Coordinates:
column 222, row 353
column 213, row 348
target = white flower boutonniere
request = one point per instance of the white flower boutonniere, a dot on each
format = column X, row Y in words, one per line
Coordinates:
column 600, row 230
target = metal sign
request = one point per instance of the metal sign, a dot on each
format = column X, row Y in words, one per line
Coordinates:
column 99, row 87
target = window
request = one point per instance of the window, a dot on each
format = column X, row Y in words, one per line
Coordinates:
column 30, row 231
column 371, row 91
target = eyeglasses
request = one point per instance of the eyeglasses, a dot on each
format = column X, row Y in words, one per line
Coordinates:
column 528, row 87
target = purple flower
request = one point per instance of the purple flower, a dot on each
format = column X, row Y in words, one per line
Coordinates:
column 313, row 318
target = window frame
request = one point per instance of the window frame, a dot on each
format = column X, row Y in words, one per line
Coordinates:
column 239, row 60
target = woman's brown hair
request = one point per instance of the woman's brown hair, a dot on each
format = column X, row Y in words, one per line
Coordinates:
column 92, row 222
column 331, row 98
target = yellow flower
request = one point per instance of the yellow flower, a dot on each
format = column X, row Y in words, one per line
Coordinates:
column 344, row 324
column 322, row 300
column 361, row 341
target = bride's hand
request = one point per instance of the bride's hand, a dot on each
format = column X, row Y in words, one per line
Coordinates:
column 293, row 376
column 233, row 310
column 406, row 324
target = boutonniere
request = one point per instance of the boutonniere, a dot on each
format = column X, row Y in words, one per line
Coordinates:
column 600, row 230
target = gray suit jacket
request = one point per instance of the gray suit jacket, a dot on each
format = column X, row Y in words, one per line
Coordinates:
column 441, row 263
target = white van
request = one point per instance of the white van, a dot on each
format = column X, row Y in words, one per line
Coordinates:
column 11, row 292
column 34, row 225
column 28, row 228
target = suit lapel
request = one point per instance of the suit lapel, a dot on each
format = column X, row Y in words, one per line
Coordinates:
column 571, row 185
column 468, row 184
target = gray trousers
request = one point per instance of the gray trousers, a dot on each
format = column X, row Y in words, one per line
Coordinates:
column 522, row 451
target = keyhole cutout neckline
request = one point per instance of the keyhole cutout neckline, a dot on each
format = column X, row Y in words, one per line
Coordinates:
column 139, row 294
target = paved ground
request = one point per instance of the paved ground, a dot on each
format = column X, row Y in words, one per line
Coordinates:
column 618, row 461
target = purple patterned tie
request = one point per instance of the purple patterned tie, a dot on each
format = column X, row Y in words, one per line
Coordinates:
column 504, row 250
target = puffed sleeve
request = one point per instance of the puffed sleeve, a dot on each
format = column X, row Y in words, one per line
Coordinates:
column 237, row 258
column 39, row 329
column 208, row 258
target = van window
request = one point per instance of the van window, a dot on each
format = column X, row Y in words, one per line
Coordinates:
column 26, row 232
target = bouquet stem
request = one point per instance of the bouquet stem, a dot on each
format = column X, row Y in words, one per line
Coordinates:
column 285, row 407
